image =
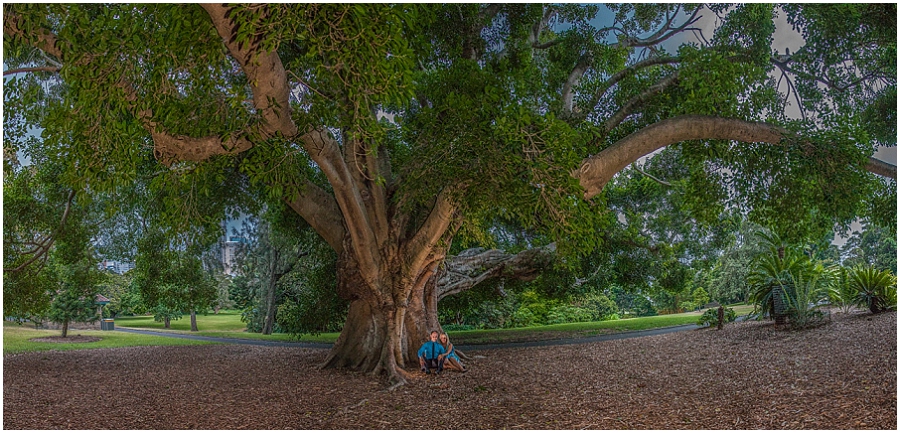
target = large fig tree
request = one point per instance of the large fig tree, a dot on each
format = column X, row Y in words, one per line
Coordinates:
column 392, row 129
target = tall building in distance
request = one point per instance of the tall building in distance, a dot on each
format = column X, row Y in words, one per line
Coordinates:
column 229, row 254
column 116, row 266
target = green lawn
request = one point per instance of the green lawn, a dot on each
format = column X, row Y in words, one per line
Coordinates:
column 228, row 325
column 582, row 329
column 224, row 321
column 16, row 336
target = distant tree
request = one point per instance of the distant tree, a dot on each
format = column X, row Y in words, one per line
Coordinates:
column 75, row 301
column 170, row 277
column 872, row 246
column 274, row 245
column 123, row 298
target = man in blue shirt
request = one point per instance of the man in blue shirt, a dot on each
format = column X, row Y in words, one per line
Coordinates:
column 431, row 355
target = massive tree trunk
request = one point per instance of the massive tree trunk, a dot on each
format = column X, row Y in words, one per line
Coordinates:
column 383, row 330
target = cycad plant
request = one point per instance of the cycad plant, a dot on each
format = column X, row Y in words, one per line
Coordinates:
column 810, row 287
column 875, row 290
column 772, row 279
column 841, row 294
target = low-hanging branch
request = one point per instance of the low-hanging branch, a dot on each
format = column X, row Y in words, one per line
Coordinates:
column 597, row 170
column 474, row 266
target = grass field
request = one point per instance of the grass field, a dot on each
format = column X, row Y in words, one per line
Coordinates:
column 15, row 339
column 224, row 321
column 582, row 329
column 227, row 324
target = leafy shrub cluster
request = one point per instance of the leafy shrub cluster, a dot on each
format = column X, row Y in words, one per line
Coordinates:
column 710, row 317
column 528, row 308
column 787, row 284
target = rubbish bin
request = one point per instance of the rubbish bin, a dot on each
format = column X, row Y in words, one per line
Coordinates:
column 107, row 325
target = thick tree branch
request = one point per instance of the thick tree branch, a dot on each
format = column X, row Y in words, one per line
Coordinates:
column 325, row 152
column 538, row 27
column 882, row 168
column 42, row 39
column 366, row 170
column 432, row 230
column 474, row 266
column 568, row 91
column 265, row 74
column 271, row 98
column 321, row 211
column 597, row 170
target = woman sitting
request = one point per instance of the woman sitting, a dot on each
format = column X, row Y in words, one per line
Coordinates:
column 451, row 359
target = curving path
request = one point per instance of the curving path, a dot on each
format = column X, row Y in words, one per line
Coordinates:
column 466, row 347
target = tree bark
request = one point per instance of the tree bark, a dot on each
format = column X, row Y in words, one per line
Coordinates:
column 269, row 298
column 421, row 316
column 194, row 321
column 167, row 321
column 387, row 321
column 65, row 328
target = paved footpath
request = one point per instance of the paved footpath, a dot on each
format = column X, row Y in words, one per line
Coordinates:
column 466, row 347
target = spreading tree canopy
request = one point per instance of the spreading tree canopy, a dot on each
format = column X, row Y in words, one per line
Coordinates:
column 393, row 129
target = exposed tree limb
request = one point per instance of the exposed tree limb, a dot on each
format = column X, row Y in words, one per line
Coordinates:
column 325, row 152
column 26, row 70
column 568, row 91
column 882, row 168
column 432, row 230
column 597, row 170
column 538, row 27
column 322, row 212
column 265, row 73
column 474, row 266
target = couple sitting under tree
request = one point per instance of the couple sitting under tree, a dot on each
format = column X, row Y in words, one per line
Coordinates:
column 433, row 355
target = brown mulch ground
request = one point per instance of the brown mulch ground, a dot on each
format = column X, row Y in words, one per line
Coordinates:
column 750, row 375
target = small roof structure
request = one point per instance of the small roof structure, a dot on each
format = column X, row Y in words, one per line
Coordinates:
column 102, row 300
